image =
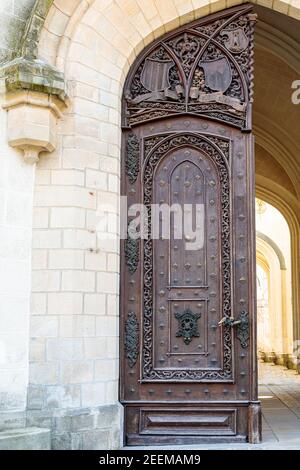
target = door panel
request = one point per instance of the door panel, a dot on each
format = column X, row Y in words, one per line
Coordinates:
column 187, row 326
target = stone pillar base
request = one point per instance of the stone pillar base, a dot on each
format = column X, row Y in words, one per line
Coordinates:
column 99, row 428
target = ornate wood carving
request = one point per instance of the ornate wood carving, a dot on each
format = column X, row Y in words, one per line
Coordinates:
column 132, row 250
column 187, row 102
column 159, row 150
column 131, row 339
column 132, row 158
column 204, row 69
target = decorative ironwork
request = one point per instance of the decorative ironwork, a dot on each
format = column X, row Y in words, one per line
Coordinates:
column 131, row 339
column 243, row 333
column 203, row 69
column 188, row 326
column 132, row 250
column 159, row 150
column 132, row 158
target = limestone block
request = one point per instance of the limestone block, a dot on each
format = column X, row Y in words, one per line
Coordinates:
column 25, row 439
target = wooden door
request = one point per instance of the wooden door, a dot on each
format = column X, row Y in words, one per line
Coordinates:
column 187, row 329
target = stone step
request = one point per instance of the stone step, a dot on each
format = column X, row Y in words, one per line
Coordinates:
column 30, row 438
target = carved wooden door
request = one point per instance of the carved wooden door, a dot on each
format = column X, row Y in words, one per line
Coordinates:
column 188, row 359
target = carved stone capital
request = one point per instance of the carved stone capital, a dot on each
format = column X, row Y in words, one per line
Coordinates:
column 32, row 121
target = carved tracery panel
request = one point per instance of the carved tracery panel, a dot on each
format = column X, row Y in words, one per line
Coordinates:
column 204, row 70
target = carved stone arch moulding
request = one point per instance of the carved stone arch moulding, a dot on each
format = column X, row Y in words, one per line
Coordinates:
column 213, row 150
column 204, row 69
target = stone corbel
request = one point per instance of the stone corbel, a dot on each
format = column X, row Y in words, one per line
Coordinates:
column 34, row 100
column 31, row 123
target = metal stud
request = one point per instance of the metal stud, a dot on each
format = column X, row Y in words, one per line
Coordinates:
column 187, row 391
column 161, row 273
column 161, row 293
column 242, row 280
column 162, row 183
column 225, row 391
column 188, row 280
column 187, row 265
column 243, row 373
column 206, row 391
column 132, row 390
column 242, row 259
column 187, row 153
column 242, row 392
column 169, row 392
column 151, row 391
column 212, row 202
column 162, row 309
column 161, row 326
column 242, row 355
column 132, row 282
column 179, row 293
column 175, row 347
column 240, row 175
column 212, row 238
column 241, row 217
column 162, row 360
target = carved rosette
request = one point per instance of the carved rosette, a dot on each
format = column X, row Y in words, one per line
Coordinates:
column 205, row 69
column 220, row 156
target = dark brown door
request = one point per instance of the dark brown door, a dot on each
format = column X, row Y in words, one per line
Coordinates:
column 188, row 349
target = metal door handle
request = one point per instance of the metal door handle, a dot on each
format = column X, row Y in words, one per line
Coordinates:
column 243, row 327
column 229, row 321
